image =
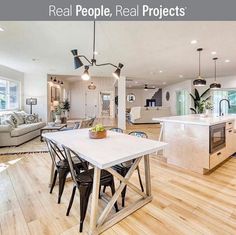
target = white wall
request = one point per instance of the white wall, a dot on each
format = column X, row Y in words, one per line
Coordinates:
column 35, row 85
column 140, row 96
column 12, row 74
column 228, row 82
column 78, row 90
column 185, row 85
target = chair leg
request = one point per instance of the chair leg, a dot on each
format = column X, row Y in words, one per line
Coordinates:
column 54, row 181
column 104, row 188
column 85, row 192
column 140, row 180
column 112, row 186
column 62, row 179
column 99, row 195
column 71, row 201
column 123, row 193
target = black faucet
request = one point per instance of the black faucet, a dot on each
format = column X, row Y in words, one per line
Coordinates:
column 220, row 108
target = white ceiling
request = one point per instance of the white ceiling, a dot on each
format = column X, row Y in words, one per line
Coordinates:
column 144, row 48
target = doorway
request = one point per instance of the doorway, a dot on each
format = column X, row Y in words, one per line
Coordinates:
column 105, row 104
column 91, row 104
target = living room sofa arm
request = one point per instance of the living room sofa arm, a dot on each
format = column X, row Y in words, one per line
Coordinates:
column 5, row 128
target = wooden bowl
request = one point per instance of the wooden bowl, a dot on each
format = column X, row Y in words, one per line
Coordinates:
column 98, row 134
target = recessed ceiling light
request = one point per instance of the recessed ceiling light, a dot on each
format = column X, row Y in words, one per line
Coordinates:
column 160, row 71
column 1, row 29
column 194, row 41
column 213, row 52
column 181, row 76
column 95, row 53
column 136, row 82
column 164, row 83
column 227, row 61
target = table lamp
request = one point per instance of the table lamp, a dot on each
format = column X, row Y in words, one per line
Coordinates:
column 31, row 102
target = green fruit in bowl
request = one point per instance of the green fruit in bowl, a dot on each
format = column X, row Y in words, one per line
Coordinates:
column 97, row 128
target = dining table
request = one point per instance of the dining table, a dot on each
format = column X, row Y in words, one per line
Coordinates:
column 105, row 153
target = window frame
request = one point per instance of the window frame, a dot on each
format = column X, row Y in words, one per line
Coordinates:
column 18, row 82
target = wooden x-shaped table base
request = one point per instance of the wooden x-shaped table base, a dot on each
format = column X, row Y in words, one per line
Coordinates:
column 98, row 225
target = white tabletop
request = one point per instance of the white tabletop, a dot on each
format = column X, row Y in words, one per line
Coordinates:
column 104, row 153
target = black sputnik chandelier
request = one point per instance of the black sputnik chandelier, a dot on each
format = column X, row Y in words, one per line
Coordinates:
column 93, row 62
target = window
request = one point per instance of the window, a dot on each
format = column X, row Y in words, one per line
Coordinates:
column 232, row 99
column 9, row 94
column 182, row 100
column 224, row 94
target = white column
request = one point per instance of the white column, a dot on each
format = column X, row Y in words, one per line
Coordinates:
column 122, row 103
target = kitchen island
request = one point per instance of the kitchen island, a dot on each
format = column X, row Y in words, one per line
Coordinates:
column 198, row 143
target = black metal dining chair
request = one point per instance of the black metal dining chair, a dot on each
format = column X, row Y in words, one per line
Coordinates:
column 123, row 168
column 84, row 182
column 61, row 166
column 116, row 129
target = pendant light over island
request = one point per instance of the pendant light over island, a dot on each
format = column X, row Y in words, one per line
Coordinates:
column 215, row 84
column 199, row 81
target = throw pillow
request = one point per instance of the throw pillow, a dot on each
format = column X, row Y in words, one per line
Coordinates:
column 31, row 118
column 20, row 117
column 14, row 120
column 10, row 120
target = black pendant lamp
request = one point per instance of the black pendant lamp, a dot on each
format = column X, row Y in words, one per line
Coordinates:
column 215, row 84
column 199, row 81
column 93, row 62
column 116, row 74
column 77, row 62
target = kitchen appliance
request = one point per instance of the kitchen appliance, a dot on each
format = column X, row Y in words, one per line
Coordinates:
column 217, row 137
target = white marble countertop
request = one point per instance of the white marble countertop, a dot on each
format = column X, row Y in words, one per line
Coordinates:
column 196, row 119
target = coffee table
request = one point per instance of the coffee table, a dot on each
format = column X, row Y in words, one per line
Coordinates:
column 48, row 128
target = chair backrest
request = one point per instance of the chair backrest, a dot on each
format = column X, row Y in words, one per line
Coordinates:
column 55, row 152
column 139, row 134
column 77, row 125
column 69, row 153
column 85, row 124
column 91, row 121
column 116, row 129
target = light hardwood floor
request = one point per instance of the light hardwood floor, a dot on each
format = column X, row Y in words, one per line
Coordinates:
column 183, row 202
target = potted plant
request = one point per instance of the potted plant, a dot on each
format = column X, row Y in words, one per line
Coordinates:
column 208, row 107
column 58, row 112
column 199, row 101
column 66, row 107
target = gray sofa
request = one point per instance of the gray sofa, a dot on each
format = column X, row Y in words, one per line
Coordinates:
column 15, row 135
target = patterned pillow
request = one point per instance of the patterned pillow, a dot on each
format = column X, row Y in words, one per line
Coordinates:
column 31, row 118
column 10, row 120
column 20, row 117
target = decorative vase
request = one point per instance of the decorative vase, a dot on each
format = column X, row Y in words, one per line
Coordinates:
column 66, row 114
column 58, row 119
column 208, row 112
